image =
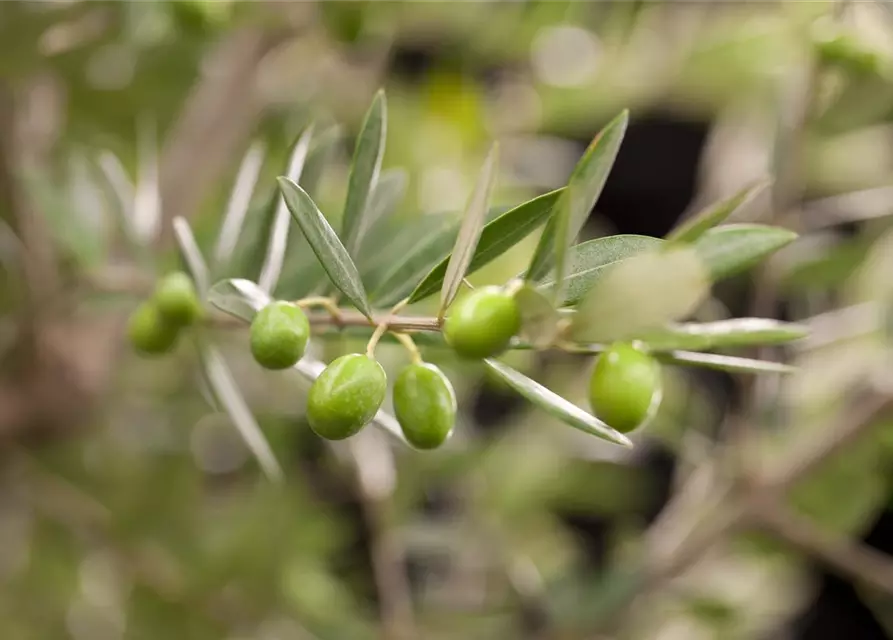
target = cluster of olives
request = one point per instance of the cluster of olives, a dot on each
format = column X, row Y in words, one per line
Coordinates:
column 155, row 326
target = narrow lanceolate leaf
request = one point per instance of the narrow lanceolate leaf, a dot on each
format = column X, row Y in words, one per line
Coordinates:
column 364, row 172
column 497, row 237
column 718, row 362
column 325, row 244
column 585, row 185
column 539, row 319
column 321, row 151
column 470, row 231
column 555, row 405
column 310, row 369
column 693, row 228
column 589, row 261
column 238, row 297
column 737, row 332
column 123, row 191
column 386, row 196
column 732, row 248
column 272, row 269
column 224, row 387
column 192, row 255
column 239, row 200
column 642, row 293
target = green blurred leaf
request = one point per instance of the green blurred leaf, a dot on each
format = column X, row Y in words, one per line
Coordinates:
column 555, row 405
column 643, row 292
column 321, row 151
column 730, row 249
column 718, row 362
column 737, row 332
column 589, row 261
column 364, row 171
column 585, row 186
column 325, row 244
column 539, row 319
column 192, row 255
column 239, row 202
column 470, row 230
column 386, row 196
column 497, row 237
column 238, row 297
column 693, row 228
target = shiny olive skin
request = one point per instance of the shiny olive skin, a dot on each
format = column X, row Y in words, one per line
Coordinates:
column 176, row 299
column 425, row 405
column 279, row 335
column 149, row 333
column 346, row 396
column 625, row 387
column 482, row 324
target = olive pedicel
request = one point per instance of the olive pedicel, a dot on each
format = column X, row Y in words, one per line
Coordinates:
column 149, row 333
column 176, row 299
column 425, row 405
column 279, row 335
column 346, row 396
column 483, row 323
column 625, row 387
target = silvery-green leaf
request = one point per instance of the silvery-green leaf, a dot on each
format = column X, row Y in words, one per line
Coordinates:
column 539, row 319
column 226, row 391
column 275, row 257
column 641, row 293
column 693, row 228
column 123, row 191
column 238, row 297
column 239, row 201
column 325, row 244
column 737, row 332
column 498, row 236
column 469, row 231
column 590, row 260
column 732, row 248
column 364, row 171
column 555, row 405
column 719, row 362
column 585, row 186
column 388, row 193
column 321, row 151
column 192, row 255
column 310, row 369
column 147, row 193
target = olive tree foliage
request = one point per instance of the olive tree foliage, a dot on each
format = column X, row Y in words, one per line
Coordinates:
column 210, row 501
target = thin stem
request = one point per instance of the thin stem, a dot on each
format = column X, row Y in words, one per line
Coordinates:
column 407, row 342
column 327, row 303
column 373, row 341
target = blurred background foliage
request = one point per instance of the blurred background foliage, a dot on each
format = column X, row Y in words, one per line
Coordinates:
column 131, row 509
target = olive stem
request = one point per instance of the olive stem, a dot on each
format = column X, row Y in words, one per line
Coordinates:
column 410, row 346
column 327, row 303
column 373, row 341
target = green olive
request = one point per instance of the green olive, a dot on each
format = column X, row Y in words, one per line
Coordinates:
column 425, row 405
column 482, row 324
column 176, row 299
column 149, row 333
column 279, row 334
column 625, row 387
column 346, row 396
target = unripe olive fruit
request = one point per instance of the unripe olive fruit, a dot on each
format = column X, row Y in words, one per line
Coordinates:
column 279, row 334
column 149, row 333
column 625, row 387
column 482, row 324
column 425, row 405
column 346, row 396
column 176, row 299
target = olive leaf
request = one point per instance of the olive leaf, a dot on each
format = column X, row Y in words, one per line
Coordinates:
column 325, row 244
column 732, row 248
column 321, row 150
column 224, row 388
column 470, row 230
column 539, row 319
column 364, row 171
column 387, row 195
column 192, row 255
column 498, row 236
column 238, row 297
column 644, row 292
column 736, row 332
column 732, row 364
column 275, row 257
column 239, row 202
column 123, row 193
column 585, row 186
column 693, row 228
column 590, row 260
column 555, row 405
